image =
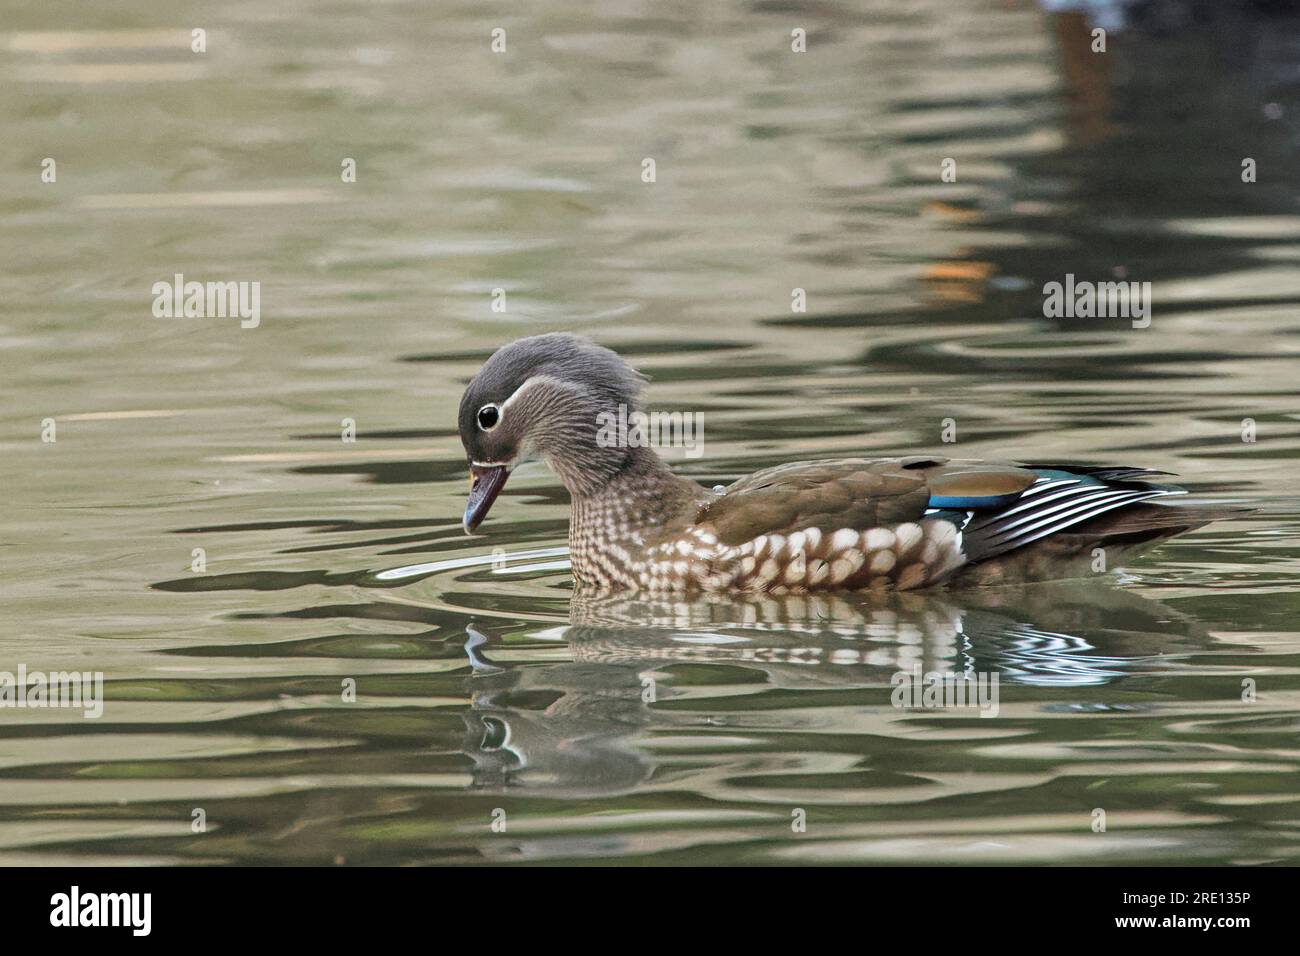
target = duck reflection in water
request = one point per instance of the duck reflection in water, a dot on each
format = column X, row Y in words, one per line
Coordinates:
column 641, row 668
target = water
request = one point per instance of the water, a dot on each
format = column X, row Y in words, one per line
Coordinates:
column 624, row 730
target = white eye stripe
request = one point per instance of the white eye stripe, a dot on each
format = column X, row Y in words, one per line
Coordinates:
column 534, row 380
column 501, row 408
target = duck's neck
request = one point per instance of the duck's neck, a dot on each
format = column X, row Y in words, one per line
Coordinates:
column 610, row 526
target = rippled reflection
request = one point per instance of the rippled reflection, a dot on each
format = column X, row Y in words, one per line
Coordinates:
column 573, row 727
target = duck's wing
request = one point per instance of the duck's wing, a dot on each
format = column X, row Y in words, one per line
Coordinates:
column 998, row 506
column 1074, row 498
column 859, row 493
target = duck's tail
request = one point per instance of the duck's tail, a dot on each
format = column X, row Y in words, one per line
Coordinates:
column 1078, row 518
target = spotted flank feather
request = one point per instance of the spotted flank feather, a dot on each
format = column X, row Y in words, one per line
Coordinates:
column 856, row 525
column 964, row 514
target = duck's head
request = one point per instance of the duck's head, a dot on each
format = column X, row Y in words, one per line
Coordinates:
column 544, row 397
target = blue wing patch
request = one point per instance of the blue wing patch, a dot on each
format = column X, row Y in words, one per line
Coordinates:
column 972, row 502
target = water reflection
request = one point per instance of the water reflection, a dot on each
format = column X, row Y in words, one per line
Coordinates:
column 573, row 727
column 565, row 727
column 1144, row 183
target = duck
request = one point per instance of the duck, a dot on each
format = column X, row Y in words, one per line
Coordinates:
column 849, row 524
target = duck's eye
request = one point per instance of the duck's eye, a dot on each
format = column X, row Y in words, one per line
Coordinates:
column 488, row 416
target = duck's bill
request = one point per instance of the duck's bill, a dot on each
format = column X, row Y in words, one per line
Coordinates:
column 486, row 482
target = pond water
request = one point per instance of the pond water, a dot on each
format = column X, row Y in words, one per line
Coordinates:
column 201, row 532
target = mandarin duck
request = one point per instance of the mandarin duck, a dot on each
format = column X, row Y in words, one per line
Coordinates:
column 836, row 524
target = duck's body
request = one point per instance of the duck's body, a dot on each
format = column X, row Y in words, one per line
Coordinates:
column 852, row 524
column 845, row 524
